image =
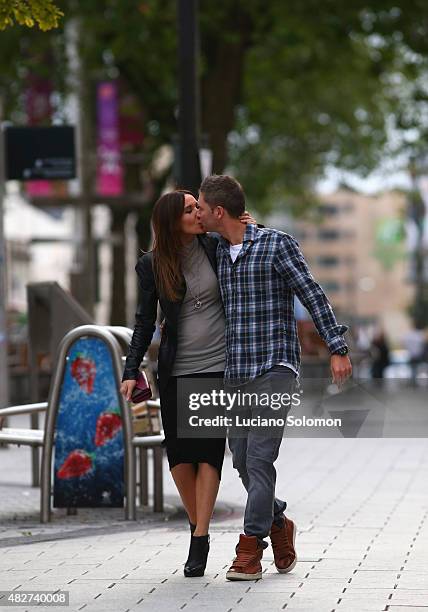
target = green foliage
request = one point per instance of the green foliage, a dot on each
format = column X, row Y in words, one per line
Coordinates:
column 288, row 88
column 28, row 13
column 389, row 246
column 323, row 87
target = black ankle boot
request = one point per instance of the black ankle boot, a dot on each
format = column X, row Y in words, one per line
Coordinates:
column 198, row 553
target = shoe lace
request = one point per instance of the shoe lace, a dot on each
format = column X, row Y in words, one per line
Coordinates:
column 280, row 538
column 276, row 543
column 243, row 558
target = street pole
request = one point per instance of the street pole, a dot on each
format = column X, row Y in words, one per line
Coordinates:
column 83, row 276
column 4, row 379
column 189, row 172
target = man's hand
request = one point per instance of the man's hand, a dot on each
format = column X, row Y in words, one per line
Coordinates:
column 127, row 387
column 341, row 368
column 247, row 218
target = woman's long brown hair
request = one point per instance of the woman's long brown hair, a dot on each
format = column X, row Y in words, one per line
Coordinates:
column 167, row 243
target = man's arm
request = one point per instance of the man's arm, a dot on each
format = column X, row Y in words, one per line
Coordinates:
column 291, row 265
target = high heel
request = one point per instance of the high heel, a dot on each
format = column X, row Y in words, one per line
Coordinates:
column 198, row 554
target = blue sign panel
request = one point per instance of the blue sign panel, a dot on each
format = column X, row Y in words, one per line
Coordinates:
column 89, row 450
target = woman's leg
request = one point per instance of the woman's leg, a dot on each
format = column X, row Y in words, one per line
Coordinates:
column 184, row 475
column 207, row 484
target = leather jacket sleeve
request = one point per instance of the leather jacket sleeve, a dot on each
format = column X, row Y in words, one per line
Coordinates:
column 145, row 318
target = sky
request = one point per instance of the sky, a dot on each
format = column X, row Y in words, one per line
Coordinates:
column 387, row 177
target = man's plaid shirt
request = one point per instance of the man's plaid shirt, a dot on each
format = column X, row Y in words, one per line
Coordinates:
column 258, row 296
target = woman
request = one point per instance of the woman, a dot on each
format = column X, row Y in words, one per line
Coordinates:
column 180, row 274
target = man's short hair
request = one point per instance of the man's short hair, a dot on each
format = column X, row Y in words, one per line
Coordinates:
column 224, row 190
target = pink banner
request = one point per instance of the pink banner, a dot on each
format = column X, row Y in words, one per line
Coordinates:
column 109, row 169
column 39, row 110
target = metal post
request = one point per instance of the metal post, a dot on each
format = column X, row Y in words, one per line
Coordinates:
column 34, row 390
column 157, row 479
column 189, row 171
column 4, row 381
column 144, row 486
column 83, row 279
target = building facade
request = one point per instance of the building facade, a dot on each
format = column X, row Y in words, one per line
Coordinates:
column 355, row 245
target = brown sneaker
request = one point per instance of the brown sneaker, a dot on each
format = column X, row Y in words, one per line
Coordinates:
column 246, row 565
column 283, row 540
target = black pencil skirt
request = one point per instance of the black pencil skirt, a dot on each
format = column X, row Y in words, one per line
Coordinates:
column 188, row 450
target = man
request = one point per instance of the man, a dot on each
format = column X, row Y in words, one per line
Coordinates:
column 259, row 271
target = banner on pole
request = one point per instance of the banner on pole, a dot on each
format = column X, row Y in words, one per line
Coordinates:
column 109, row 167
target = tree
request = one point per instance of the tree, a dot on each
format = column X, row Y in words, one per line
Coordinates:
column 28, row 13
column 312, row 88
column 418, row 310
column 286, row 88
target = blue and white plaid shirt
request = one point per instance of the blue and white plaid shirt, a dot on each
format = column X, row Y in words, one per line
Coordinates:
column 258, row 296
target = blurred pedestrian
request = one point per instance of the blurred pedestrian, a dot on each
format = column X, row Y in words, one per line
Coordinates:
column 414, row 342
column 380, row 355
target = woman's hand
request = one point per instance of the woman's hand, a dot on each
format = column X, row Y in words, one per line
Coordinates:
column 247, row 218
column 127, row 387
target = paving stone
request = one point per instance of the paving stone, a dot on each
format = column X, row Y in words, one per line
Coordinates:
column 410, row 598
column 412, row 580
column 360, row 607
column 358, row 517
column 216, row 607
column 407, row 608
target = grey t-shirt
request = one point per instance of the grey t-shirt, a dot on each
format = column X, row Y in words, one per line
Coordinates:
column 201, row 343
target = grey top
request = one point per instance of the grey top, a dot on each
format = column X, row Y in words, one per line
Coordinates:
column 201, row 343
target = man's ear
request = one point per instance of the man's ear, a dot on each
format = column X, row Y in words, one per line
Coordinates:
column 219, row 212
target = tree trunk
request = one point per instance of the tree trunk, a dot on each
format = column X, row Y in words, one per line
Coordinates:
column 222, row 89
column 118, row 291
column 143, row 230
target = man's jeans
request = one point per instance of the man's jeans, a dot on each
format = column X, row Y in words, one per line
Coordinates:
column 255, row 451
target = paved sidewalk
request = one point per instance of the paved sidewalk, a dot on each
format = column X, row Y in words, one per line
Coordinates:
column 361, row 507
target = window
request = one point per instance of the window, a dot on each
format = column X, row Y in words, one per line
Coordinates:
column 329, row 209
column 328, row 234
column 328, row 261
column 330, row 286
column 300, row 234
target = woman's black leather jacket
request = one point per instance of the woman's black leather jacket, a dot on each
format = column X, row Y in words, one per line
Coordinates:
column 145, row 317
